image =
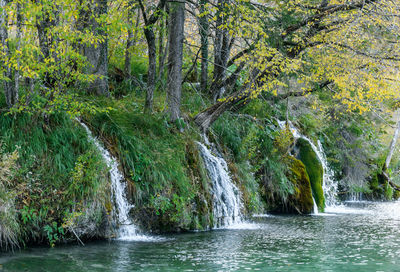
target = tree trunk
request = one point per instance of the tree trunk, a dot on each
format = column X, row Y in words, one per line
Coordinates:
column 97, row 55
column 204, row 28
column 151, row 73
column 237, row 100
column 223, row 44
column 161, row 34
column 207, row 117
column 175, row 55
column 47, row 20
column 10, row 93
column 18, row 46
column 392, row 147
column 130, row 41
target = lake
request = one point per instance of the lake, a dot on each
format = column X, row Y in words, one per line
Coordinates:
column 356, row 236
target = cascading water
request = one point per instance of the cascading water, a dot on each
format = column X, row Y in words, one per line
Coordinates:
column 329, row 185
column 127, row 230
column 355, row 197
column 226, row 196
column 315, row 207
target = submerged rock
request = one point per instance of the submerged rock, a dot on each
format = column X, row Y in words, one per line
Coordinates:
column 314, row 168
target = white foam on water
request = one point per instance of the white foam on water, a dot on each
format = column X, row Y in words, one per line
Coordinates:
column 262, row 215
column 343, row 209
column 244, row 226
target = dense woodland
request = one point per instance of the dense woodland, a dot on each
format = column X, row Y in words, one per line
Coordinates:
column 152, row 77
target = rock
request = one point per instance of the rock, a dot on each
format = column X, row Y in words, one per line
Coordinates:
column 314, row 170
column 301, row 201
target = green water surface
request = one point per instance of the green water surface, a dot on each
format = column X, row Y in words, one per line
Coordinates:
column 357, row 237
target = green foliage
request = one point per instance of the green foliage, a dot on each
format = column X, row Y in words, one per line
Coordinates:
column 249, row 188
column 59, row 171
column 86, row 176
column 232, row 130
column 268, row 163
column 154, row 158
column 9, row 227
column 388, row 192
column 54, row 233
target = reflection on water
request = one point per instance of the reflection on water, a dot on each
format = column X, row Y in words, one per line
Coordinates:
column 358, row 236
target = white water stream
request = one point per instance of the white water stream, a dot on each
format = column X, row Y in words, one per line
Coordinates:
column 126, row 229
column 225, row 195
column 329, row 185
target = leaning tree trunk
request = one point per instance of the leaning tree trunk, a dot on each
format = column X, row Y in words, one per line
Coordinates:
column 175, row 56
column 207, row 117
column 235, row 101
column 392, row 147
column 385, row 167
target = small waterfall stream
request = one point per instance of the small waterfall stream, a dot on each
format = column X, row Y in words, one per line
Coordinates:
column 226, row 196
column 127, row 230
column 329, row 184
column 315, row 207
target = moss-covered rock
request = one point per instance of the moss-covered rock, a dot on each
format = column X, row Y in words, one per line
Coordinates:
column 314, row 169
column 299, row 198
column 301, row 201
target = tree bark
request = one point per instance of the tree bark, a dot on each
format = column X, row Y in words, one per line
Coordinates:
column 97, row 55
column 204, row 29
column 152, row 51
column 18, row 46
column 222, row 48
column 151, row 73
column 175, row 56
column 131, row 41
column 10, row 93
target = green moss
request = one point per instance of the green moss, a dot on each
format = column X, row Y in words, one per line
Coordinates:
column 396, row 195
column 301, row 200
column 388, row 191
column 314, row 170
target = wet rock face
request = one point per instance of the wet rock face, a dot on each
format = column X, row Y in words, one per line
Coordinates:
column 305, row 153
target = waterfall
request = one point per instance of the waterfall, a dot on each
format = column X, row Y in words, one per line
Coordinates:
column 126, row 230
column 225, row 195
column 315, row 207
column 355, row 197
column 329, row 185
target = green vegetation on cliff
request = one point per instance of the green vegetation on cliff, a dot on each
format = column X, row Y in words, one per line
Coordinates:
column 53, row 180
column 314, row 170
column 301, row 200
